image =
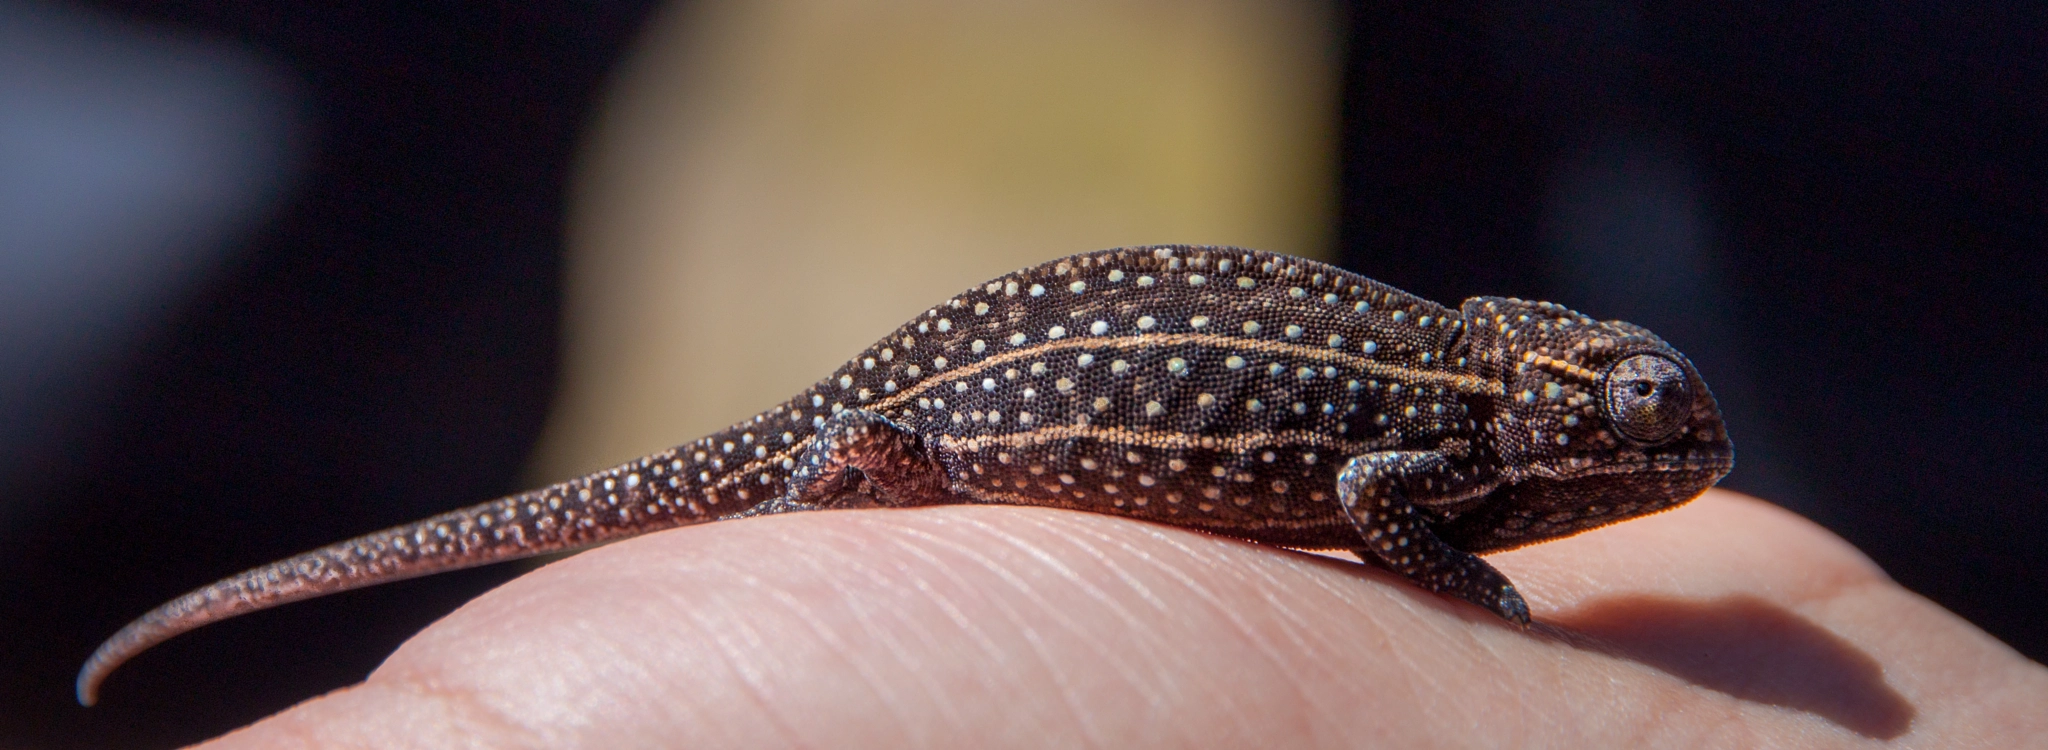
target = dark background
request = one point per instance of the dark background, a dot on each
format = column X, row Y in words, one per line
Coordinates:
column 1837, row 212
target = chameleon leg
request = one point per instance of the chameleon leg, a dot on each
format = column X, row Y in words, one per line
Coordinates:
column 854, row 445
column 1376, row 490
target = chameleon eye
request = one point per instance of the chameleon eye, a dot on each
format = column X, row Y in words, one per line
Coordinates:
column 1648, row 398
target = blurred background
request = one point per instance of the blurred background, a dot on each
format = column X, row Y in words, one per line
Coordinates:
column 277, row 273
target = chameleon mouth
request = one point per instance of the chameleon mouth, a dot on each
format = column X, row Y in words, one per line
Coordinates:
column 1717, row 461
column 1723, row 460
column 1543, row 508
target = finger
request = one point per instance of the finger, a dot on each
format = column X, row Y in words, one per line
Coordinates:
column 1720, row 545
column 1743, row 599
column 996, row 627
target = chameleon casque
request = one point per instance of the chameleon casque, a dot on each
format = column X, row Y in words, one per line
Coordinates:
column 1243, row 393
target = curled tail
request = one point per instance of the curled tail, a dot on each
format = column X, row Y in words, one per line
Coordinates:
column 686, row 485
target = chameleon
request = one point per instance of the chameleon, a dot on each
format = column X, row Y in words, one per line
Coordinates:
column 1248, row 394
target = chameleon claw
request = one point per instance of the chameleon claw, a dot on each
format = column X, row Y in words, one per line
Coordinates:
column 1510, row 606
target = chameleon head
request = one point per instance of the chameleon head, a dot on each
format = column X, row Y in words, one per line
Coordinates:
column 1604, row 421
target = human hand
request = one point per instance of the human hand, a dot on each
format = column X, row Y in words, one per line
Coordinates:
column 1726, row 622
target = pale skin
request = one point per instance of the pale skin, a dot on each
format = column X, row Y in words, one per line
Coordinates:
column 1725, row 623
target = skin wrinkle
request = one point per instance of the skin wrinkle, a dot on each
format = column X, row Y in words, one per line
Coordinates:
column 1216, row 604
column 1153, row 647
column 1479, row 642
column 1297, row 630
column 476, row 709
column 1168, row 568
column 623, row 658
column 1669, row 698
column 909, row 636
column 1493, row 651
column 1531, row 721
column 1426, row 677
column 1071, row 528
column 1374, row 610
column 576, row 704
column 876, row 685
column 1046, row 661
column 1150, row 651
column 1276, row 600
column 1244, row 627
column 1331, row 586
column 1358, row 609
column 1838, row 590
column 961, row 626
column 866, row 610
column 865, row 621
column 1208, row 595
column 1033, row 640
column 583, row 717
column 906, row 637
column 1172, row 571
column 1511, row 714
column 1270, row 590
column 1726, row 730
column 751, row 682
column 1106, row 650
column 1058, row 565
column 1291, row 629
column 1109, row 563
column 946, row 604
column 693, row 609
column 451, row 690
column 2008, row 684
column 1446, row 633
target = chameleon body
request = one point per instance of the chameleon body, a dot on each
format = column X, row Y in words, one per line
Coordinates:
column 1242, row 393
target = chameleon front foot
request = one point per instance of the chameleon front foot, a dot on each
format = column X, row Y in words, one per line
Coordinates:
column 1396, row 537
column 1469, row 578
